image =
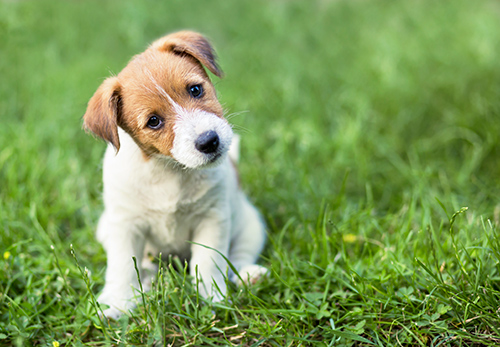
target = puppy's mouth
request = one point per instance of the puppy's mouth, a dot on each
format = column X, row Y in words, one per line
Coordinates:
column 210, row 161
column 214, row 158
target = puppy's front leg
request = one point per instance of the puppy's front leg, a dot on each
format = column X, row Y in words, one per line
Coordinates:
column 121, row 242
column 207, row 264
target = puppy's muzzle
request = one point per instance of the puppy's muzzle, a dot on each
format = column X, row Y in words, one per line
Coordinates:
column 207, row 142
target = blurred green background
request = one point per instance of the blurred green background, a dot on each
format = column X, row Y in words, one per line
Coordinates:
column 397, row 95
column 362, row 109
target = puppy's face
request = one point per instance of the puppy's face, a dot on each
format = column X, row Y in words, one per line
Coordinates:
column 165, row 101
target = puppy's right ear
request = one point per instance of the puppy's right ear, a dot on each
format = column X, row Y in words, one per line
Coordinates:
column 103, row 109
column 193, row 44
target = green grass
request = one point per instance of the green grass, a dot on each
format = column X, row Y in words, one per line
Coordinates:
column 369, row 126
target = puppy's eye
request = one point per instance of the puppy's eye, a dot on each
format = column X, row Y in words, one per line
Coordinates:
column 196, row 91
column 155, row 122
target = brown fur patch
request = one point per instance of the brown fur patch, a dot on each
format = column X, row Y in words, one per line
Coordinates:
column 103, row 110
column 190, row 43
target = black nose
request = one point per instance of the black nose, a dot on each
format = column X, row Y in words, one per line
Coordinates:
column 207, row 142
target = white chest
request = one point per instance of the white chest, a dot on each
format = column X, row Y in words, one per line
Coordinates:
column 162, row 202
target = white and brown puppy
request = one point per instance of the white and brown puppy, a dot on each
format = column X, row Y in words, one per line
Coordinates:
column 167, row 177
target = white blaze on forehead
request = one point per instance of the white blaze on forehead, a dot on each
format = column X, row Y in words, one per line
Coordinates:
column 163, row 93
column 178, row 109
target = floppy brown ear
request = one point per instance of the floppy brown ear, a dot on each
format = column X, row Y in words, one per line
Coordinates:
column 101, row 116
column 193, row 44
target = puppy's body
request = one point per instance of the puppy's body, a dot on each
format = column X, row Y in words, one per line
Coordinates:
column 171, row 181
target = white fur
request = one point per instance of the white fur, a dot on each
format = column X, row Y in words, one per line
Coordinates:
column 188, row 127
column 157, row 206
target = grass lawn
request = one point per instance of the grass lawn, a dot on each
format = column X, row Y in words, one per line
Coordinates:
column 370, row 142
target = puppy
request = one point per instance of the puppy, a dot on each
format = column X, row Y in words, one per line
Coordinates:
column 167, row 177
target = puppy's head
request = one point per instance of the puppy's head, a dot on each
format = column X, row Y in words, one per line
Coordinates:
column 165, row 101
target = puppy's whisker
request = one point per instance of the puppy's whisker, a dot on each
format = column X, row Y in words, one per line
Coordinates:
column 235, row 114
column 240, row 129
column 237, row 127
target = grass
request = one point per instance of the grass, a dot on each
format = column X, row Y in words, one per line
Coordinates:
column 370, row 144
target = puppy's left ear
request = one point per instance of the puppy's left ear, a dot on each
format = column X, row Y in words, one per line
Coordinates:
column 193, row 44
column 102, row 113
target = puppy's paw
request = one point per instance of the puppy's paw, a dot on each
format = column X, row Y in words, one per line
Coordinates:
column 111, row 313
column 213, row 292
column 117, row 304
column 116, row 311
column 251, row 274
